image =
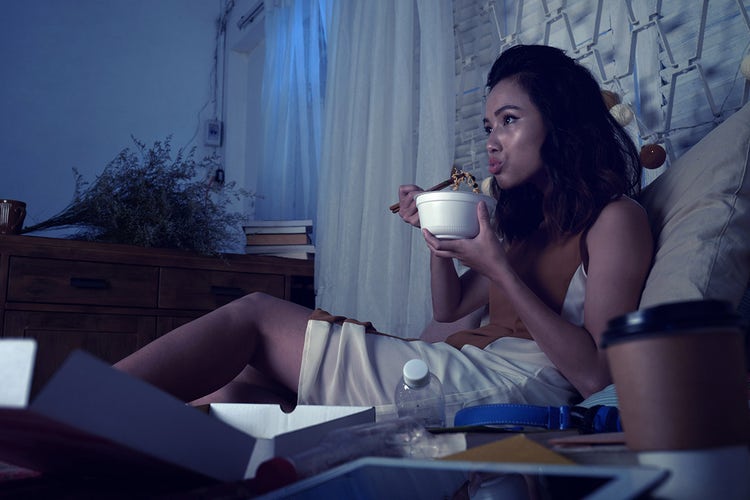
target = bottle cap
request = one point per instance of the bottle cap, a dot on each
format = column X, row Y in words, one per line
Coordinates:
column 676, row 318
column 416, row 373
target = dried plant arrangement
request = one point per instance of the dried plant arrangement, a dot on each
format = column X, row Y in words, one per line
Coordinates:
column 146, row 197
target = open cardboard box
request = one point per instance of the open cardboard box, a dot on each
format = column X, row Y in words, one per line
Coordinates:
column 91, row 419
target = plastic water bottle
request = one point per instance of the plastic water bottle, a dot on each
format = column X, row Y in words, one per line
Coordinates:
column 420, row 395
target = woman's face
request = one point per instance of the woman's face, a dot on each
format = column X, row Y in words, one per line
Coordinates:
column 515, row 133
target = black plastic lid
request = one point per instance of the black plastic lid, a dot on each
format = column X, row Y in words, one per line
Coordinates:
column 671, row 318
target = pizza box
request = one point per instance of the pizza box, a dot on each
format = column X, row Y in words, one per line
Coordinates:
column 92, row 419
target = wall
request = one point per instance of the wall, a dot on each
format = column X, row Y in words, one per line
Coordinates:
column 675, row 64
column 78, row 78
column 244, row 59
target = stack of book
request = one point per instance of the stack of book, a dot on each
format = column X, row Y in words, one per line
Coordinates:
column 283, row 238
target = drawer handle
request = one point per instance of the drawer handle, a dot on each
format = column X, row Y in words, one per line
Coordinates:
column 89, row 283
column 229, row 291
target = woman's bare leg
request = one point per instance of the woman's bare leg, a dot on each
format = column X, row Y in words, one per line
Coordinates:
column 204, row 355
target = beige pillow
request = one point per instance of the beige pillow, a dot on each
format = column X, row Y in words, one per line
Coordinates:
column 699, row 210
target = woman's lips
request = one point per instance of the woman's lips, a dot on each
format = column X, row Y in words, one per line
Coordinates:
column 495, row 167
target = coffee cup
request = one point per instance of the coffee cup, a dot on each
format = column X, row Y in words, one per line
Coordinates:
column 700, row 474
column 681, row 376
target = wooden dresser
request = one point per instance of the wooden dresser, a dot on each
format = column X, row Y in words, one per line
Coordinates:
column 112, row 299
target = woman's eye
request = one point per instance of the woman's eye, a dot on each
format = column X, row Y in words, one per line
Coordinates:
column 506, row 120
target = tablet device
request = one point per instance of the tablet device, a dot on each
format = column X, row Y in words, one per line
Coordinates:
column 398, row 478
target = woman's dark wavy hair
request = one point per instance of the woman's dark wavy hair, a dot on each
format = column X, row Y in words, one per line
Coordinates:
column 589, row 158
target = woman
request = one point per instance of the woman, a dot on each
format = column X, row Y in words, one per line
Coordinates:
column 574, row 253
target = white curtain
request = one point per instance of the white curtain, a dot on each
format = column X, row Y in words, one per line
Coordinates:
column 291, row 112
column 389, row 114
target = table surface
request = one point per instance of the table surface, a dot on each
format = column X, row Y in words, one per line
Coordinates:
column 16, row 481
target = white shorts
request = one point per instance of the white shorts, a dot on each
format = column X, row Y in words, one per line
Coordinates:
column 343, row 365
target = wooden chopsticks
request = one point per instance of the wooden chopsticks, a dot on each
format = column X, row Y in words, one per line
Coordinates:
column 437, row 187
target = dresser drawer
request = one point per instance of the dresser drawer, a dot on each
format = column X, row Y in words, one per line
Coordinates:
column 206, row 290
column 55, row 281
column 109, row 337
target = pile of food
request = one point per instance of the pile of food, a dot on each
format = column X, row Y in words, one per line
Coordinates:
column 460, row 176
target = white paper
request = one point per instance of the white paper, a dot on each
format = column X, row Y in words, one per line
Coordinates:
column 16, row 371
column 284, row 434
column 89, row 394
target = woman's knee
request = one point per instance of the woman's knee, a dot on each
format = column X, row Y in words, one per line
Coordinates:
column 257, row 308
column 253, row 301
column 245, row 310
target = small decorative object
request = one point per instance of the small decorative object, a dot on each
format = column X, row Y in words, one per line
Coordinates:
column 148, row 198
column 652, row 156
column 610, row 98
column 622, row 113
column 745, row 67
column 487, row 186
column 12, row 213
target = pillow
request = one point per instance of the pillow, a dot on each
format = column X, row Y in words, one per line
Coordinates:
column 699, row 211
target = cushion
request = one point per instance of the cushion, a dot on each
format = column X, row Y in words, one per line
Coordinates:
column 699, row 211
column 605, row 397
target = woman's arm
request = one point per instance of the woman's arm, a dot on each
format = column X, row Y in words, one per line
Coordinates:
column 619, row 247
column 620, row 250
column 437, row 331
column 453, row 297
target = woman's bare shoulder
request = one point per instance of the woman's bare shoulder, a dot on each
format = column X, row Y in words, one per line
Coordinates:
column 621, row 228
column 622, row 214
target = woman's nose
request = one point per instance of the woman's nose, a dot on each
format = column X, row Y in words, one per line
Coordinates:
column 493, row 144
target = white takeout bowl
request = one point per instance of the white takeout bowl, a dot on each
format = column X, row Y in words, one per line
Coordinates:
column 451, row 215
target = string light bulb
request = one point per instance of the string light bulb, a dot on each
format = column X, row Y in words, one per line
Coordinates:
column 745, row 67
column 622, row 114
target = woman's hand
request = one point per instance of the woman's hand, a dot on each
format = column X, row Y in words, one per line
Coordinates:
column 481, row 253
column 407, row 207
